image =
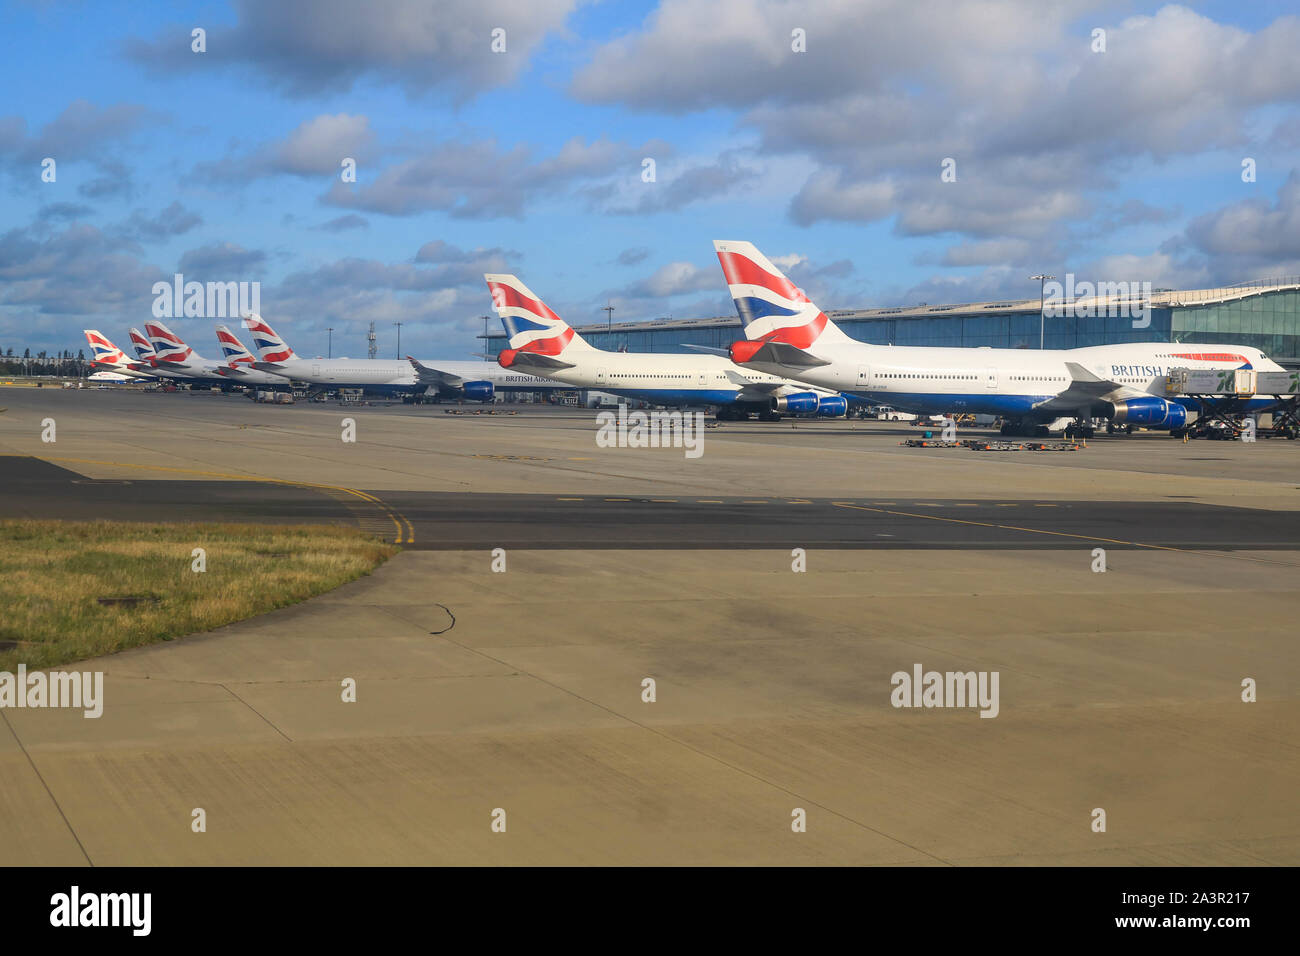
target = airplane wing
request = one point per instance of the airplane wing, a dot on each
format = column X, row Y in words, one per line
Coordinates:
column 427, row 375
column 759, row 391
column 763, row 388
column 267, row 366
column 1085, row 387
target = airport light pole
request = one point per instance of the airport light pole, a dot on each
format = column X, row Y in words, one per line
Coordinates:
column 1042, row 284
column 399, row 338
column 330, row 350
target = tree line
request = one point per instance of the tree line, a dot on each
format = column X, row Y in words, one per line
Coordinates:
column 63, row 364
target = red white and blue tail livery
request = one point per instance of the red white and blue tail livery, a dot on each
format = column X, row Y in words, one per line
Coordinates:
column 772, row 308
column 103, row 351
column 232, row 348
column 270, row 346
column 142, row 347
column 537, row 335
column 109, row 357
column 167, row 345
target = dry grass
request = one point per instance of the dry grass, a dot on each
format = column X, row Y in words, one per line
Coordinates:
column 53, row 572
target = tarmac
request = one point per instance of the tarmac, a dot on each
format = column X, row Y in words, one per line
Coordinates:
column 522, row 691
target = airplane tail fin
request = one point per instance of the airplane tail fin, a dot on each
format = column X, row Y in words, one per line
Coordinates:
column 142, row 347
column 533, row 329
column 104, row 351
column 167, row 345
column 269, row 346
column 232, row 350
column 772, row 308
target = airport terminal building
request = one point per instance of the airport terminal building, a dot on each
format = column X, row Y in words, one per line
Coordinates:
column 1264, row 314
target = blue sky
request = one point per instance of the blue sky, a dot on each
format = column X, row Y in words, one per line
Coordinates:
column 1122, row 163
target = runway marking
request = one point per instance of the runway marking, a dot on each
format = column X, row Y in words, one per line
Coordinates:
column 408, row 531
column 708, row 501
column 753, row 502
column 1044, row 506
column 618, row 499
column 665, row 501
column 798, row 501
column 1011, row 527
column 568, row 499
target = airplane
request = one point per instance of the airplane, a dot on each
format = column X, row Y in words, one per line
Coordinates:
column 117, row 378
column 110, row 358
column 474, row 381
column 540, row 341
column 1033, row 391
column 172, row 354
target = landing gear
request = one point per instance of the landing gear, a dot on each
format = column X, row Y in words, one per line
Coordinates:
column 769, row 416
column 727, row 413
column 1023, row 429
column 1078, row 430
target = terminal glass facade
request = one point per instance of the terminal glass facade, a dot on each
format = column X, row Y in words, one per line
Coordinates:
column 1270, row 322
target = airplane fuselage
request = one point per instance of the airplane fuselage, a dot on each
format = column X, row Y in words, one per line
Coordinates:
column 671, row 379
column 398, row 377
column 1010, row 382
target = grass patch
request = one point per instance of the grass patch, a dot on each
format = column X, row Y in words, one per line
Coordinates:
column 54, row 573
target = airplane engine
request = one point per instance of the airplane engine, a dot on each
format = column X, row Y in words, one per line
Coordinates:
column 479, row 391
column 833, row 406
column 1150, row 412
column 798, row 402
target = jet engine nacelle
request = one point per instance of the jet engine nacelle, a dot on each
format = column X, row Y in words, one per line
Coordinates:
column 832, row 406
column 798, row 402
column 479, row 391
column 1150, row 412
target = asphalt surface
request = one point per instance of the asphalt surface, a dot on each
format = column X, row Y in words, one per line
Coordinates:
column 1121, row 690
column 446, row 521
